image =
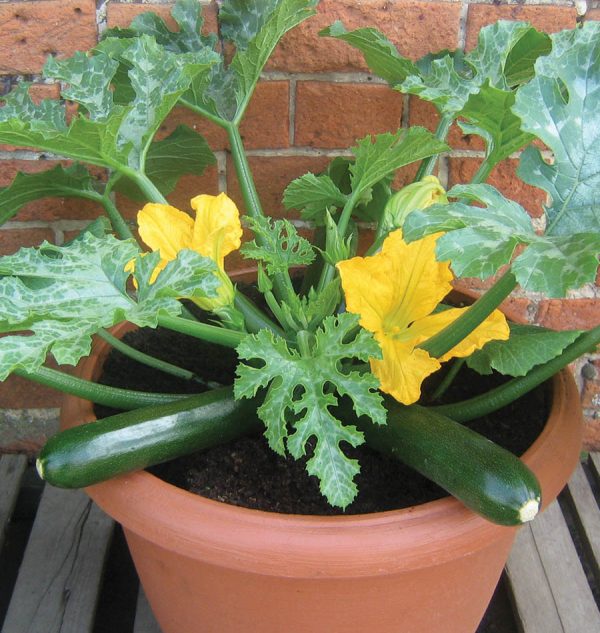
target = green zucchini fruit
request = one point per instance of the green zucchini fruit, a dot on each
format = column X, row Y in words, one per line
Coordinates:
column 487, row 478
column 96, row 451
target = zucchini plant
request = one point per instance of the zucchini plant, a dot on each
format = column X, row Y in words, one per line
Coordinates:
column 341, row 359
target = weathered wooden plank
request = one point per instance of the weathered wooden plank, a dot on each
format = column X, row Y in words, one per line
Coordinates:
column 588, row 515
column 144, row 618
column 572, row 594
column 59, row 579
column 534, row 605
column 12, row 468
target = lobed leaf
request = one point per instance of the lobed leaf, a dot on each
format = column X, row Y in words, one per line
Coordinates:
column 299, row 396
column 313, row 195
column 478, row 241
column 62, row 295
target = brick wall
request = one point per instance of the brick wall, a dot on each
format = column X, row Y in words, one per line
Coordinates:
column 315, row 99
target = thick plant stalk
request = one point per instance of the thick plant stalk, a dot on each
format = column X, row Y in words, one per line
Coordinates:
column 517, row 387
column 100, row 394
column 428, row 164
column 454, row 333
column 204, row 331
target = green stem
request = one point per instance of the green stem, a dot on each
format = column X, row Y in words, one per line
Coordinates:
column 448, row 379
column 100, row 394
column 482, row 174
column 428, row 164
column 459, row 329
column 517, row 387
column 204, row 331
column 146, row 359
column 328, row 272
column 254, row 317
column 116, row 219
column 244, row 173
column 146, row 185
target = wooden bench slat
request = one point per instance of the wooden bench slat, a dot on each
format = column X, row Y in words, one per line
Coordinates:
column 59, row 580
column 572, row 593
column 588, row 514
column 12, row 468
column 145, row 621
column 535, row 608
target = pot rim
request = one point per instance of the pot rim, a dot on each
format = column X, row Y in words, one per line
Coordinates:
column 321, row 546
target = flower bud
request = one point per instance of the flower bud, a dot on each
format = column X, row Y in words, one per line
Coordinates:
column 417, row 195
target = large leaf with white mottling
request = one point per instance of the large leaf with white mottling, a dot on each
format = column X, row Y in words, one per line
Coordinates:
column 561, row 106
column 478, row 241
column 300, row 396
column 57, row 297
column 528, row 346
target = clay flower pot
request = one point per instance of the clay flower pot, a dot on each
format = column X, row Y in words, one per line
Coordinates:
column 214, row 568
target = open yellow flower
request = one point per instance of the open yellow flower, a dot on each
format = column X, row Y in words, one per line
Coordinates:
column 395, row 293
column 215, row 232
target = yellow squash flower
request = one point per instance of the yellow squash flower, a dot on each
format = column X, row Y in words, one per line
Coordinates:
column 395, row 293
column 215, row 232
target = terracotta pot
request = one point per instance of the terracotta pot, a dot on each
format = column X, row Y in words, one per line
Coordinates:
column 208, row 567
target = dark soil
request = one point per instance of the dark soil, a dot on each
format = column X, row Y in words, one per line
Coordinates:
column 248, row 473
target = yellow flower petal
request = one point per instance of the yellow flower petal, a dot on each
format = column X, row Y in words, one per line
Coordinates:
column 166, row 229
column 402, row 369
column 217, row 229
column 400, row 284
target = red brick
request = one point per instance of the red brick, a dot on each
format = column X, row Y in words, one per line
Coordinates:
column 187, row 187
column 49, row 209
column 545, row 18
column 272, row 175
column 11, row 240
column 504, row 178
column 120, row 14
column 265, row 124
column 335, row 115
column 30, row 31
column 416, row 28
column 569, row 314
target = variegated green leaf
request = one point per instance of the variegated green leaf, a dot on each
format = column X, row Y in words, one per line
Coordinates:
column 241, row 20
column 56, row 297
column 561, row 106
column 299, row 396
column 478, row 241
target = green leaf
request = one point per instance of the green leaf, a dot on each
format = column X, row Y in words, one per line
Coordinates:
column 89, row 80
column 18, row 105
column 241, row 20
column 489, row 115
column 183, row 152
column 381, row 55
column 561, row 106
column 528, row 346
column 63, row 295
column 498, row 59
column 281, row 248
column 478, row 241
column 188, row 38
column 299, row 396
column 74, row 181
column 158, row 78
column 313, row 195
column 379, row 157
column 226, row 92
